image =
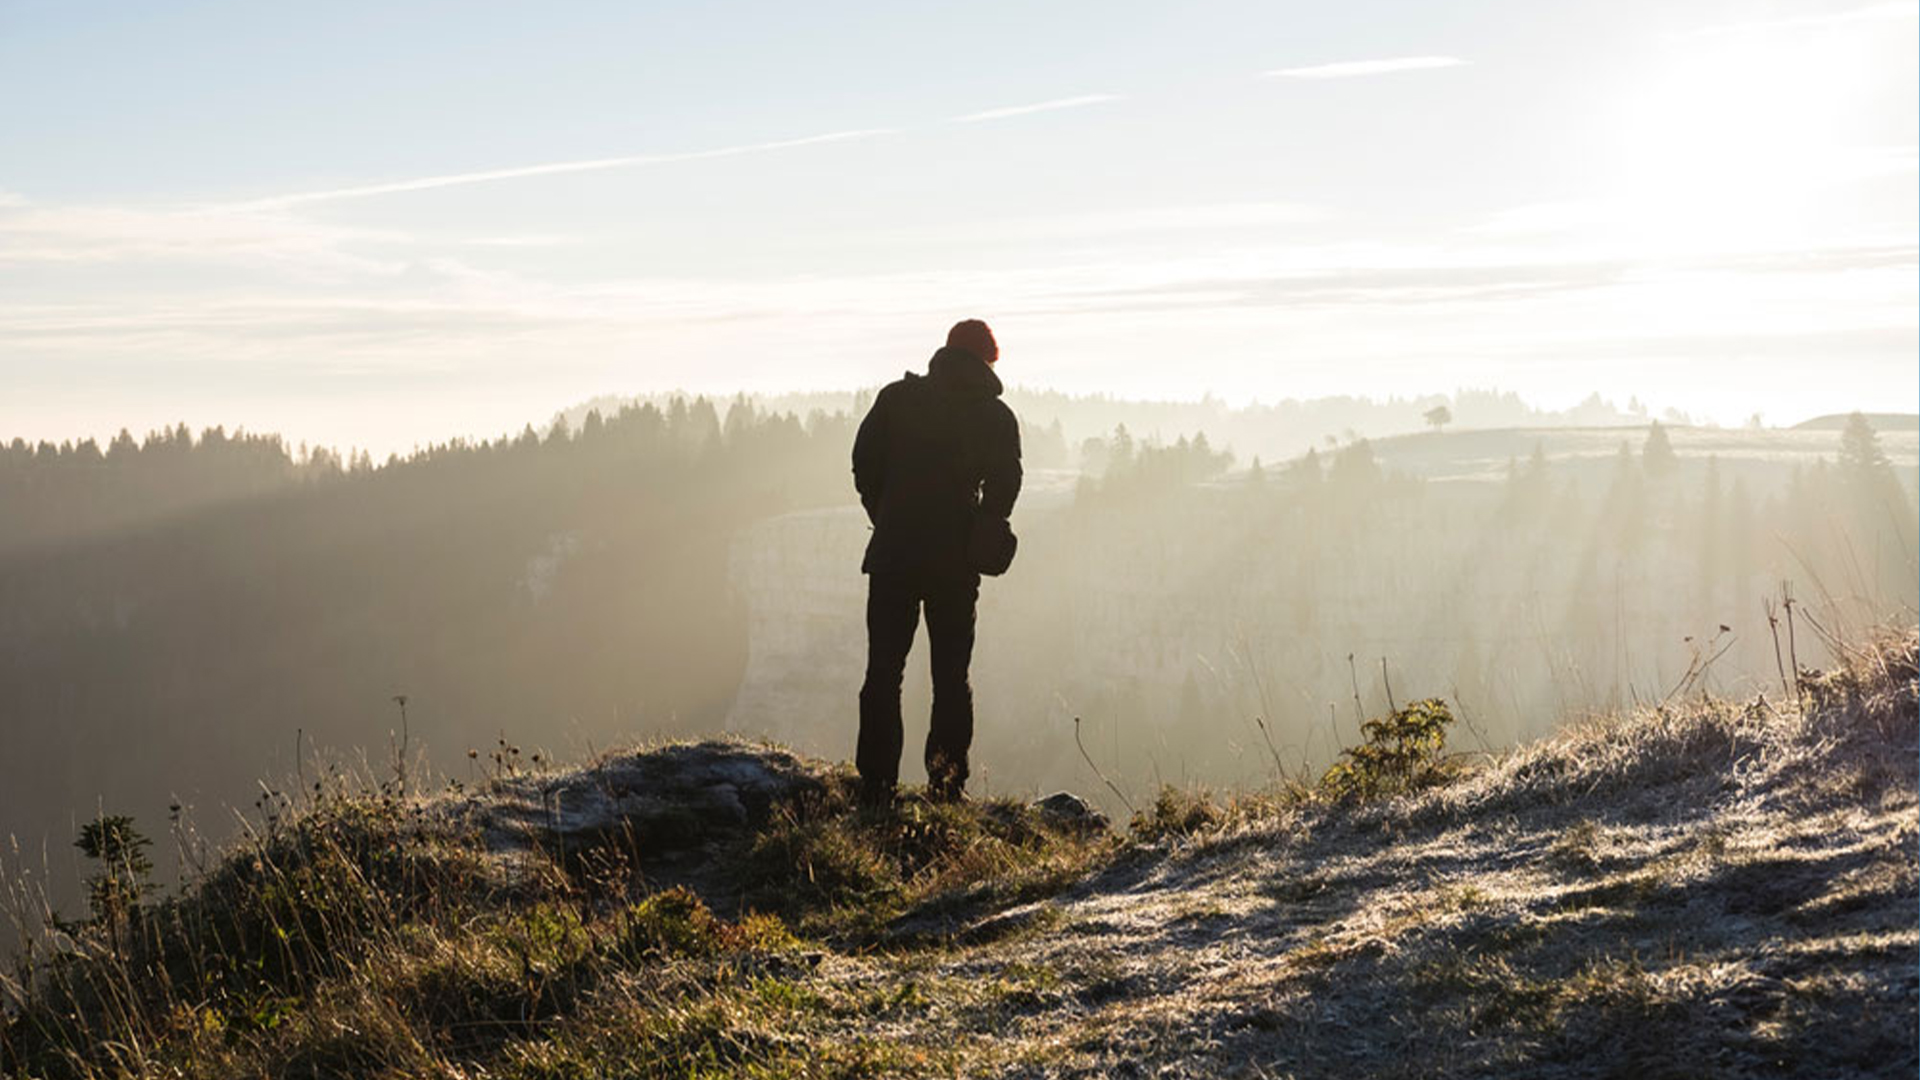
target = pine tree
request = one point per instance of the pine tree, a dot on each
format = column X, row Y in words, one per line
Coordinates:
column 1354, row 467
column 1657, row 456
column 1860, row 451
column 1877, row 514
column 1305, row 470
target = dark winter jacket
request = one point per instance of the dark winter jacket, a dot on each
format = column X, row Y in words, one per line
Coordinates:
column 933, row 452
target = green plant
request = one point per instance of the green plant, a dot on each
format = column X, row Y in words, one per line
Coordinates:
column 125, row 871
column 1402, row 752
column 1177, row 812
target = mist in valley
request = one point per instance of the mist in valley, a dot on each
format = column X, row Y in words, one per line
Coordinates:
column 198, row 627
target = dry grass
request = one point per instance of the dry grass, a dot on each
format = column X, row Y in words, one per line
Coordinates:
column 371, row 936
column 1720, row 889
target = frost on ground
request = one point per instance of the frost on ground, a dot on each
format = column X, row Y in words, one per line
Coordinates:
column 1714, row 889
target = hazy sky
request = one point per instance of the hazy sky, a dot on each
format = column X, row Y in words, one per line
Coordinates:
column 384, row 223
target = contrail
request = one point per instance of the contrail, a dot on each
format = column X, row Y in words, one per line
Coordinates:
column 455, row 179
column 1038, row 106
column 1355, row 68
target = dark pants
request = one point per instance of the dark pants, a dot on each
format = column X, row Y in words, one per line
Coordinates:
column 893, row 613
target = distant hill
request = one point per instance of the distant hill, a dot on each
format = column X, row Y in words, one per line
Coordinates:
column 1881, row 421
column 1765, row 457
column 1054, row 425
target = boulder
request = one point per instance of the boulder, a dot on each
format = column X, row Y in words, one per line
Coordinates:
column 656, row 800
column 1070, row 809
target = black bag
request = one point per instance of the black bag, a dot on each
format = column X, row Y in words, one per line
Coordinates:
column 991, row 544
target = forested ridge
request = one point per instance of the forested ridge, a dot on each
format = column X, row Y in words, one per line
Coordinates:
column 183, row 617
column 266, row 604
column 1214, row 624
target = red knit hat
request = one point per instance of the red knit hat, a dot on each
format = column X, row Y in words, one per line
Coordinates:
column 974, row 336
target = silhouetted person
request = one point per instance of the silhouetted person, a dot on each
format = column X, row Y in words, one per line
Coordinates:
column 936, row 462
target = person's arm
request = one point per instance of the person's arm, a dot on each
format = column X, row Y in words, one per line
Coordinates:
column 870, row 456
column 1001, row 484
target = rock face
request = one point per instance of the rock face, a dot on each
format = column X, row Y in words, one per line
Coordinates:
column 655, row 801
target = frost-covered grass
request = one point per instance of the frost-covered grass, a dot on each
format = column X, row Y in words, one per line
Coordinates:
column 1724, row 888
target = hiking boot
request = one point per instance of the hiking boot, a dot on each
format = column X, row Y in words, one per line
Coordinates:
column 947, row 791
column 875, row 796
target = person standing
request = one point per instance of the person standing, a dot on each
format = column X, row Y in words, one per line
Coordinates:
column 936, row 462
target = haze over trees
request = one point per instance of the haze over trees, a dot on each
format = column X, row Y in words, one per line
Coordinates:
column 184, row 615
column 1056, row 422
column 570, row 586
column 1178, row 602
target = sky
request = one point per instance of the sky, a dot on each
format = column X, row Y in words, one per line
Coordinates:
column 387, row 224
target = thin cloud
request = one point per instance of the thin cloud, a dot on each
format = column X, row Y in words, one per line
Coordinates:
column 1836, row 167
column 525, row 240
column 1894, row 9
column 1543, row 218
column 552, row 168
column 1340, row 296
column 98, row 234
column 1081, row 101
column 1155, row 219
column 1355, row 68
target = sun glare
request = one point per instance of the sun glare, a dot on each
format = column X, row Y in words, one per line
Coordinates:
column 1731, row 141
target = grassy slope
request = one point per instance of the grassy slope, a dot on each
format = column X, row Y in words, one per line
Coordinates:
column 1719, row 889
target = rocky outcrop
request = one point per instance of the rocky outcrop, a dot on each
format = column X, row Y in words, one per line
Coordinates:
column 654, row 801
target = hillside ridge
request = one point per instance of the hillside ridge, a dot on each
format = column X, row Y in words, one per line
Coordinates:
column 1704, row 888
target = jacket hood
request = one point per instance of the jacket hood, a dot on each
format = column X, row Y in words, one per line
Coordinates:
column 959, row 370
